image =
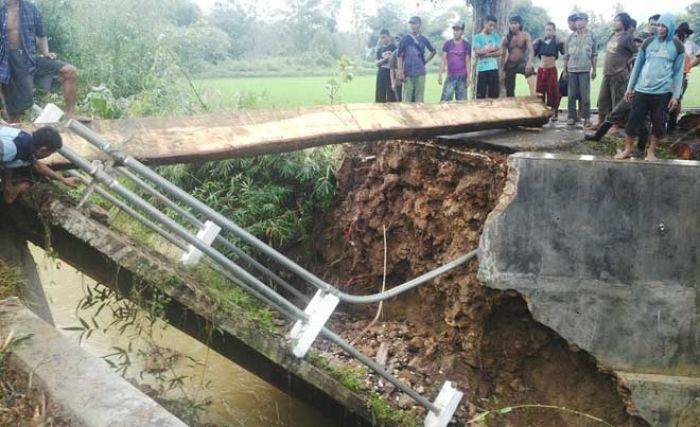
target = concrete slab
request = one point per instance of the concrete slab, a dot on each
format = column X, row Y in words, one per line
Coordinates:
column 665, row 400
column 84, row 387
column 551, row 137
column 606, row 254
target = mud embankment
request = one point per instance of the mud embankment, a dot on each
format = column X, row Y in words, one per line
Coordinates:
column 433, row 202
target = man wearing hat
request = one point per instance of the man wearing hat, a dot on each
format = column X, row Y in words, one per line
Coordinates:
column 692, row 59
column 456, row 57
column 518, row 57
column 412, row 60
column 580, row 63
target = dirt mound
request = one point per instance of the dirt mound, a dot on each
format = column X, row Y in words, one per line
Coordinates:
column 433, row 202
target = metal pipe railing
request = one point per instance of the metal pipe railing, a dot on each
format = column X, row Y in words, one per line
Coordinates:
column 133, row 164
column 219, row 238
column 249, row 282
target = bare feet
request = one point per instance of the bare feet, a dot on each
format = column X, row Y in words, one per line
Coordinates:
column 651, row 157
column 627, row 154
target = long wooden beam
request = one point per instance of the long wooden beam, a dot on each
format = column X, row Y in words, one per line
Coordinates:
column 160, row 140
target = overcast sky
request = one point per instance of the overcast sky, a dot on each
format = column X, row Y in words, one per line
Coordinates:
column 558, row 9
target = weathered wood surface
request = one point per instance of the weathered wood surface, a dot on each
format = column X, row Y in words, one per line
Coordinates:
column 243, row 134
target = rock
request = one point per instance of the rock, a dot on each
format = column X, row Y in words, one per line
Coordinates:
column 382, row 354
column 404, row 401
column 415, row 345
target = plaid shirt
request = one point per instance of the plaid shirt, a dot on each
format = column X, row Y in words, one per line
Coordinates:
column 31, row 27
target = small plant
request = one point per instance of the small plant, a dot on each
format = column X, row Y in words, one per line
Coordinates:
column 343, row 74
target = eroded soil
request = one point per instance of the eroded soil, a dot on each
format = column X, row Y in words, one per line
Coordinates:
column 433, row 202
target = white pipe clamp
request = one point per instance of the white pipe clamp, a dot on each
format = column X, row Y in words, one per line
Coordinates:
column 447, row 401
column 207, row 235
column 304, row 333
column 49, row 115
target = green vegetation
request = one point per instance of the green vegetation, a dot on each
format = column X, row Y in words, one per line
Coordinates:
column 288, row 92
column 11, row 280
column 278, row 198
column 383, row 412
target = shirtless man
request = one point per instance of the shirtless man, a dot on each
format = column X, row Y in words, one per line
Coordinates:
column 21, row 69
column 518, row 57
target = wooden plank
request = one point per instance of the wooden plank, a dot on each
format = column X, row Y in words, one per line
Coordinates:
column 160, row 140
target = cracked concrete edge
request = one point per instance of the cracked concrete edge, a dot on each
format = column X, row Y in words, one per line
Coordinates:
column 139, row 259
column 82, row 386
column 487, row 271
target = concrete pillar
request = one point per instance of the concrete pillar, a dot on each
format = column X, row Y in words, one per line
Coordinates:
column 14, row 251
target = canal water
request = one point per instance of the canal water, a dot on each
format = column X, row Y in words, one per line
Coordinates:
column 237, row 398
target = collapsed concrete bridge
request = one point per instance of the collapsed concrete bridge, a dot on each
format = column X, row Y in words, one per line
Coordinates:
column 506, row 260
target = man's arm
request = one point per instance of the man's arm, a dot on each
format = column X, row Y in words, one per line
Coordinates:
column 594, row 57
column 43, row 170
column 531, row 52
column 638, row 64
column 443, row 65
column 678, row 66
column 432, row 51
column 468, row 60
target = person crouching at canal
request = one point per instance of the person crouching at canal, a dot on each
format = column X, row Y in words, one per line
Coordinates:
column 19, row 149
column 548, row 50
column 655, row 85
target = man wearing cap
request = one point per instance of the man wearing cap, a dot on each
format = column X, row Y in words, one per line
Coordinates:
column 487, row 48
column 518, row 57
column 580, row 63
column 412, row 60
column 692, row 59
column 655, row 86
column 619, row 50
column 651, row 27
column 456, row 57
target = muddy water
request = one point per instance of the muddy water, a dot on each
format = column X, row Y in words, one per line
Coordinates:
column 237, row 397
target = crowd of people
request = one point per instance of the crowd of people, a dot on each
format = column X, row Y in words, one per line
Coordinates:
column 644, row 77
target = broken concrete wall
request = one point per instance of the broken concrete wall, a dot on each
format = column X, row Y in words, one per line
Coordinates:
column 606, row 254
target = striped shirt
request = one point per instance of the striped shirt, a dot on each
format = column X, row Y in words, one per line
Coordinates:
column 31, row 27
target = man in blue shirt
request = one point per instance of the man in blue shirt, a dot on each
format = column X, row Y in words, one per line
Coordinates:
column 22, row 69
column 487, row 48
column 412, row 60
column 19, row 149
column 655, row 85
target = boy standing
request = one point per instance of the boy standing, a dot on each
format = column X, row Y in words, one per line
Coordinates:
column 655, row 85
column 618, row 53
column 580, row 68
column 518, row 56
column 385, row 50
column 487, row 48
column 456, row 57
column 412, row 60
column 548, row 50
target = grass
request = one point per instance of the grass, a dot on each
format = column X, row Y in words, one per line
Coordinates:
column 289, row 92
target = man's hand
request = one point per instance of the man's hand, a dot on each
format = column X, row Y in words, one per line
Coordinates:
column 529, row 68
column 564, row 74
column 502, row 76
column 71, row 182
column 50, row 55
column 440, row 79
column 629, row 95
column 673, row 105
column 594, row 74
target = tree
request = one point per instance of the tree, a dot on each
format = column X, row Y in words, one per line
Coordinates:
column 305, row 18
column 236, row 20
column 182, row 12
column 692, row 17
column 497, row 8
column 389, row 16
column 534, row 17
